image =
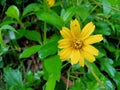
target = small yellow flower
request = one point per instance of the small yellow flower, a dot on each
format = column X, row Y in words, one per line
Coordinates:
column 76, row 43
column 50, row 2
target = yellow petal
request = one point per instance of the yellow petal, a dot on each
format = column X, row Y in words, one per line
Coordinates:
column 93, row 39
column 90, row 49
column 75, row 28
column 64, row 43
column 75, row 56
column 81, row 61
column 87, row 30
column 65, row 54
column 51, row 2
column 65, row 32
column 88, row 56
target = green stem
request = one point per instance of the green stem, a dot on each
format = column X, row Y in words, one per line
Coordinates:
column 95, row 76
column 65, row 65
column 68, row 76
column 45, row 24
column 45, row 32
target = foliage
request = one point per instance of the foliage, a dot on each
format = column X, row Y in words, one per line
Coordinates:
column 29, row 34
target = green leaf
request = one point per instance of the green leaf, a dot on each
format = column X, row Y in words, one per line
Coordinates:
column 83, row 11
column 116, row 78
column 12, row 35
column 1, row 39
column 29, row 51
column 29, row 34
column 13, row 12
column 106, row 7
column 8, row 27
column 51, row 18
column 33, row 79
column 102, row 52
column 102, row 28
column 51, row 82
column 52, row 66
column 33, row 35
column 95, row 86
column 31, row 9
column 68, row 14
column 3, row 49
column 7, row 21
column 1, row 62
column 89, row 80
column 13, row 78
column 79, row 85
column 93, row 67
column 106, row 65
column 29, row 77
column 3, row 2
column 49, row 48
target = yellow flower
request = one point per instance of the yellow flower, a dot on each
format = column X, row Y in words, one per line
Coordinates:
column 76, row 43
column 50, row 2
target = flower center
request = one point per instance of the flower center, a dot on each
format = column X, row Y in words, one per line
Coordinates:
column 77, row 44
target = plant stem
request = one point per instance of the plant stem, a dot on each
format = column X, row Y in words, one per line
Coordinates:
column 45, row 25
column 65, row 65
column 68, row 76
column 95, row 76
column 45, row 32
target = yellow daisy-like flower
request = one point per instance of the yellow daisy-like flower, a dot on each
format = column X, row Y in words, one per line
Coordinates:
column 76, row 43
column 50, row 2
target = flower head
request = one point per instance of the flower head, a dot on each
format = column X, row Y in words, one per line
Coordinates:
column 50, row 2
column 76, row 43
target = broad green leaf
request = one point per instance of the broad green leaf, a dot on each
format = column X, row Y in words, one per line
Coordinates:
column 33, row 35
column 3, row 49
column 12, row 35
column 117, row 57
column 106, row 7
column 51, row 82
column 116, row 78
column 31, row 9
column 102, row 28
column 33, row 79
column 7, row 21
column 29, row 51
column 106, row 65
column 29, row 34
column 13, row 12
column 60, row 85
column 8, row 27
column 95, row 86
column 85, row 83
column 51, row 18
column 109, row 46
column 13, row 78
column 79, row 85
column 83, row 11
column 28, row 89
column 20, row 34
column 52, row 66
column 2, row 2
column 102, row 52
column 29, row 77
column 68, row 14
column 49, row 48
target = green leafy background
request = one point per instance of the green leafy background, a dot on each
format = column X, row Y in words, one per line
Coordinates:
column 29, row 34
